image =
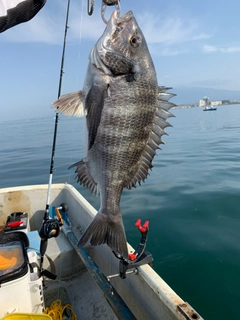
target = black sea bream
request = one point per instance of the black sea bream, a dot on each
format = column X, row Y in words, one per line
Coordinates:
column 126, row 115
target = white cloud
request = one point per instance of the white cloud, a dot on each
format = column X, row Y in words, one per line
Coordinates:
column 171, row 35
column 166, row 50
column 208, row 49
column 170, row 30
column 230, row 49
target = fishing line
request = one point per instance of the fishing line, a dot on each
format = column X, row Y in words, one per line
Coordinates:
column 59, row 312
column 80, row 42
column 77, row 81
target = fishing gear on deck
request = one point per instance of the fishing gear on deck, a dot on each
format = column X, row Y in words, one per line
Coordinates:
column 138, row 258
column 50, row 229
column 57, row 311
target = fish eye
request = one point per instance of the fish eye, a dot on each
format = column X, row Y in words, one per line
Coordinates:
column 135, row 41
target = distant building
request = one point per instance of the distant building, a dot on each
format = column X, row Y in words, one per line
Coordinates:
column 203, row 102
column 216, row 103
column 225, row 101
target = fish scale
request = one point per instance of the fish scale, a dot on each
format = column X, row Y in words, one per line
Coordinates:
column 126, row 116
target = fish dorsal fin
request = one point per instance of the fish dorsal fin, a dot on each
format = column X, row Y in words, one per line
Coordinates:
column 93, row 105
column 154, row 140
column 83, row 176
column 71, row 104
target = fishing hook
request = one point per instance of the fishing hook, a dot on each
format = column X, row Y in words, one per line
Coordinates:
column 106, row 3
column 90, row 7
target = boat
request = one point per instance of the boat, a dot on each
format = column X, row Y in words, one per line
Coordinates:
column 91, row 281
column 209, row 108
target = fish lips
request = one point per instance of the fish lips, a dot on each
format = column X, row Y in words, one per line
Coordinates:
column 116, row 19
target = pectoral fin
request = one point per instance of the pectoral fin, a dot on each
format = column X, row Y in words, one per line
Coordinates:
column 94, row 106
column 71, row 104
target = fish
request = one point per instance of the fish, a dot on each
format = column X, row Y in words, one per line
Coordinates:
column 126, row 114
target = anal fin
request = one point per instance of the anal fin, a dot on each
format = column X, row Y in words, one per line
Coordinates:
column 84, row 177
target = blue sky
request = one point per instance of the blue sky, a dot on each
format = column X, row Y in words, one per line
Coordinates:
column 192, row 43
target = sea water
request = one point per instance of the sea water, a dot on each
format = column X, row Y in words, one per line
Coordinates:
column 191, row 197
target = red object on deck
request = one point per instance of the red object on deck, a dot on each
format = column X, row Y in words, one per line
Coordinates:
column 14, row 224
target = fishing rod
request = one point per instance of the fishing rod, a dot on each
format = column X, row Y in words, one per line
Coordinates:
column 56, row 118
column 50, row 227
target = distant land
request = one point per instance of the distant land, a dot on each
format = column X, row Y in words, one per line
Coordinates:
column 191, row 95
column 185, row 97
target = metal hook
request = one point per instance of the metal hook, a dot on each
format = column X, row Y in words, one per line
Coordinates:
column 106, row 3
column 90, row 7
column 103, row 9
column 110, row 2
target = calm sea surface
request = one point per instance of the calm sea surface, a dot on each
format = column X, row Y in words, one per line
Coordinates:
column 191, row 198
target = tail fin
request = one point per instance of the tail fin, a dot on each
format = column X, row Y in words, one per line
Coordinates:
column 101, row 230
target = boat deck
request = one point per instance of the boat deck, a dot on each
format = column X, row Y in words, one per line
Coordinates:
column 74, row 284
column 80, row 273
column 81, row 292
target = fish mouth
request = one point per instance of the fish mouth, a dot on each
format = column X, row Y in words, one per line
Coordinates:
column 116, row 19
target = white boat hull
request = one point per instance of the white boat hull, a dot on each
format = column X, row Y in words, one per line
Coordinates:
column 146, row 294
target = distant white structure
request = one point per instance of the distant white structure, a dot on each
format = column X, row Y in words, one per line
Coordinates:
column 204, row 102
column 216, row 103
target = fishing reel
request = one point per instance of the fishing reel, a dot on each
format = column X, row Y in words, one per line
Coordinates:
column 51, row 227
column 136, row 259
